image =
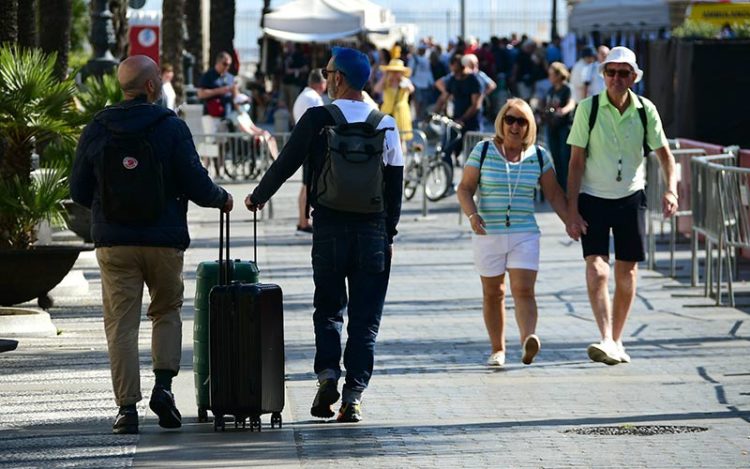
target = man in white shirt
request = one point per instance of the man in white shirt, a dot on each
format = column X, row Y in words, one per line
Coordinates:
column 311, row 96
column 577, row 82
column 594, row 80
column 352, row 245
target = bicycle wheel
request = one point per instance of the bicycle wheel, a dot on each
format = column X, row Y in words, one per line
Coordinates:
column 438, row 180
column 410, row 188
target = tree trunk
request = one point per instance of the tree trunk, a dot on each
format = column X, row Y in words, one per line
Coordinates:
column 119, row 9
column 172, row 18
column 8, row 21
column 222, row 28
column 27, row 36
column 54, row 32
column 194, row 44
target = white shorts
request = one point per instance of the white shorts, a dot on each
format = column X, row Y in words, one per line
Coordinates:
column 495, row 253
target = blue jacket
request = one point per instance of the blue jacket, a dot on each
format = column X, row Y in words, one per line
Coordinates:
column 172, row 142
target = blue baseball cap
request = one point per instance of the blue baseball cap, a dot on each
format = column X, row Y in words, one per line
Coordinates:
column 353, row 64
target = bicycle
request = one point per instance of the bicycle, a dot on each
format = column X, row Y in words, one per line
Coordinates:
column 424, row 168
column 431, row 169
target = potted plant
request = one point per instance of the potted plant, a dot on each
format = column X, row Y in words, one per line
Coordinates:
column 36, row 112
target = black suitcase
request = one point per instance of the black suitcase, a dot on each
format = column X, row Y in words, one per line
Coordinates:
column 246, row 348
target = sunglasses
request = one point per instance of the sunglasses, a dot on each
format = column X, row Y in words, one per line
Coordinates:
column 620, row 73
column 510, row 120
column 325, row 72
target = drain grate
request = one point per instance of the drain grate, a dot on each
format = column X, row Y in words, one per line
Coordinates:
column 637, row 430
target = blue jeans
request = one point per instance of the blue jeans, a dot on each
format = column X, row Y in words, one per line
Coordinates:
column 357, row 252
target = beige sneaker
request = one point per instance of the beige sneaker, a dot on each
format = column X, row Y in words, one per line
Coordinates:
column 531, row 347
column 604, row 352
column 496, row 359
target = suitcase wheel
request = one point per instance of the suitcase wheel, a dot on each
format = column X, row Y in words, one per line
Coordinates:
column 255, row 423
column 276, row 419
column 219, row 423
column 202, row 414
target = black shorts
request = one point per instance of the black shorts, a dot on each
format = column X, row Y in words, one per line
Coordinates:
column 626, row 218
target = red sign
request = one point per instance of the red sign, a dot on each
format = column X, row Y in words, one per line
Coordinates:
column 144, row 40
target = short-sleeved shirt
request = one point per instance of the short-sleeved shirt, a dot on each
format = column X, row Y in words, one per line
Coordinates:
column 615, row 136
column 556, row 99
column 462, row 90
column 307, row 99
column 496, row 178
column 212, row 80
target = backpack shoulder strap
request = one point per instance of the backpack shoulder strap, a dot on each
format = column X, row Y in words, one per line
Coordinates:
column 644, row 121
column 482, row 157
column 374, row 118
column 336, row 113
column 592, row 118
column 540, row 160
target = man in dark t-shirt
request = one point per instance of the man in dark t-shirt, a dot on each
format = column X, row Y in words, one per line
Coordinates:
column 464, row 89
column 218, row 83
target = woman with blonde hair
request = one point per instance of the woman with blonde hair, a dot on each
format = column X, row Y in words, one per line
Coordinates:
column 396, row 87
column 504, row 172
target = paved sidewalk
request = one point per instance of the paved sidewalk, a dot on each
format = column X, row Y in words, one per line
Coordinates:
column 431, row 402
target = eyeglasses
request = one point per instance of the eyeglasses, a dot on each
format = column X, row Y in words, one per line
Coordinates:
column 510, row 120
column 610, row 72
column 325, row 72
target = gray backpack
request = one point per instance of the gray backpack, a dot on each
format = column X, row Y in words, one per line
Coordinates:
column 351, row 177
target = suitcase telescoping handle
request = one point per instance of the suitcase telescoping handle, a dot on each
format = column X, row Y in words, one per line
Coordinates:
column 225, row 275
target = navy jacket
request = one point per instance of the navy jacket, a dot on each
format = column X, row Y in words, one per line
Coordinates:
column 183, row 174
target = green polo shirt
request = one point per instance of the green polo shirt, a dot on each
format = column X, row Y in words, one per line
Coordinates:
column 615, row 136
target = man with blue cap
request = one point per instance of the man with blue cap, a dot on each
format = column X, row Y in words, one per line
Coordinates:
column 349, row 245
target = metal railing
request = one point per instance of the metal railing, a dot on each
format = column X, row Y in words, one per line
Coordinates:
column 734, row 189
column 706, row 200
column 655, row 187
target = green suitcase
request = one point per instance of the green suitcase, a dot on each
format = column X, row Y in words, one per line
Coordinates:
column 207, row 277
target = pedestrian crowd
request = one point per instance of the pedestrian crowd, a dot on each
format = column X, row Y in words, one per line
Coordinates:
column 351, row 120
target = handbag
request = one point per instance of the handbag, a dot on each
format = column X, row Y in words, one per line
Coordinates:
column 215, row 107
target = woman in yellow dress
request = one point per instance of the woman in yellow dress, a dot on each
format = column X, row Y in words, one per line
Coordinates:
column 396, row 87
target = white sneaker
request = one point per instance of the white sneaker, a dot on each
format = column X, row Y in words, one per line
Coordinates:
column 604, row 352
column 496, row 359
column 531, row 347
column 622, row 354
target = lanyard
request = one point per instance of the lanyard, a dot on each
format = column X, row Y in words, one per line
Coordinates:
column 511, row 193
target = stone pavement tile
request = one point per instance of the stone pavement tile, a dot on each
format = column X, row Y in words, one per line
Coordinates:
column 432, row 402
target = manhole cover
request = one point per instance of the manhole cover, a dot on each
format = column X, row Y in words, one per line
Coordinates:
column 638, row 430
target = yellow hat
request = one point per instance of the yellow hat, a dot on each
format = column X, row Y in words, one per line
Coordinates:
column 396, row 65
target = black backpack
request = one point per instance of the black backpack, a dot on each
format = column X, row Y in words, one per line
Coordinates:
column 483, row 156
column 351, row 176
column 131, row 179
column 641, row 114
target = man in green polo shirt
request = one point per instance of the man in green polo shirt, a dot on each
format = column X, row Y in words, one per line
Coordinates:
column 606, row 178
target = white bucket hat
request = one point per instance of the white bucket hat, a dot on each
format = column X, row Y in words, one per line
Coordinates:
column 622, row 55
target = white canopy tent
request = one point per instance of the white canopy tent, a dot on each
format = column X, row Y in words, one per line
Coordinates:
column 619, row 16
column 326, row 20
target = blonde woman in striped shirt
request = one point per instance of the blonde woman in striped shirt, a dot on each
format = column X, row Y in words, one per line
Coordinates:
column 504, row 172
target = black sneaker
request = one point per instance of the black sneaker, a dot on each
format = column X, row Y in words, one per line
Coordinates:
column 351, row 413
column 162, row 403
column 126, row 423
column 326, row 396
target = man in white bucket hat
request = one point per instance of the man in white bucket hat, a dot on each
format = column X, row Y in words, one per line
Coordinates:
column 611, row 136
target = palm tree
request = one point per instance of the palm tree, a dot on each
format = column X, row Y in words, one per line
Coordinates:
column 222, row 27
column 27, row 36
column 8, row 21
column 35, row 110
column 119, row 9
column 172, row 31
column 194, row 43
column 54, row 32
